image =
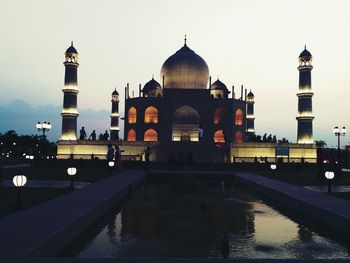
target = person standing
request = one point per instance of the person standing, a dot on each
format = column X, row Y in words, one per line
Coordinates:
column 93, row 135
column 118, row 157
column 147, row 156
column 82, row 133
column 106, row 136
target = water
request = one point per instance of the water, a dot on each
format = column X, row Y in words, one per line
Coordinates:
column 205, row 219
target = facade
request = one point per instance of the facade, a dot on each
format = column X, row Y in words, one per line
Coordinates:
column 184, row 104
column 185, row 112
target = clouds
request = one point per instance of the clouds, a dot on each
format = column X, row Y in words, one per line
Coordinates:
column 22, row 117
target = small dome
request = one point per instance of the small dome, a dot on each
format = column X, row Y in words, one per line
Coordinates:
column 151, row 85
column 218, row 85
column 185, row 70
column 115, row 93
column 305, row 53
column 71, row 49
column 250, row 94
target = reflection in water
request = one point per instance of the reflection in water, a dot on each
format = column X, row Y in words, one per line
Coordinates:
column 209, row 219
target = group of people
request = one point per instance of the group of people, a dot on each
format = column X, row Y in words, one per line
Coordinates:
column 93, row 135
column 266, row 138
column 114, row 154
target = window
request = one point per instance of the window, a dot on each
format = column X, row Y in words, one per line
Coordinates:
column 219, row 136
column 132, row 115
column 150, row 136
column 219, row 116
column 238, row 137
column 131, row 136
column 151, row 115
column 238, row 117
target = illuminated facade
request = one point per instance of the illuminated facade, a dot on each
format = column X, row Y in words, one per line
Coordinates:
column 70, row 112
column 305, row 116
column 185, row 102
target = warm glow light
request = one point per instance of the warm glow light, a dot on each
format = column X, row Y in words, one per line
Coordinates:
column 73, row 88
column 219, row 136
column 151, row 115
column 305, row 114
column 150, row 136
column 19, row 180
column 219, row 115
column 116, row 128
column 131, row 136
column 114, row 114
column 238, row 137
column 273, row 166
column 70, row 110
column 132, row 113
column 238, row 117
column 69, row 136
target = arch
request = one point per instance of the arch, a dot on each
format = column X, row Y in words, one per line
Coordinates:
column 220, row 115
column 185, row 122
column 131, row 136
column 238, row 137
column 150, row 136
column 151, row 115
column 132, row 115
column 219, row 136
column 185, row 115
column 238, row 117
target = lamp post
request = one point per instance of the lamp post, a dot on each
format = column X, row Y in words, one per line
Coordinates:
column 19, row 181
column 111, row 165
column 45, row 126
column 339, row 132
column 329, row 175
column 273, row 168
column 71, row 171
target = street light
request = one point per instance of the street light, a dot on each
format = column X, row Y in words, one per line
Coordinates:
column 339, row 132
column 45, row 126
column 19, row 181
column 329, row 175
column 111, row 165
column 71, row 171
column 273, row 168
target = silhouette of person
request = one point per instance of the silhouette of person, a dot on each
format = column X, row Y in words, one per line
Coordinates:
column 200, row 133
column 93, row 135
column 117, row 156
column 110, row 153
column 106, row 135
column 82, row 133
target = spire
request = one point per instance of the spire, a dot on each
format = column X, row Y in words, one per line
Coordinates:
column 305, row 46
column 185, row 40
column 71, row 43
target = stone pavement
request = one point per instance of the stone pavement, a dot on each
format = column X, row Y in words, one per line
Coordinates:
column 47, row 228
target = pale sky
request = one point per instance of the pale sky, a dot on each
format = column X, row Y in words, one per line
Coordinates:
column 254, row 43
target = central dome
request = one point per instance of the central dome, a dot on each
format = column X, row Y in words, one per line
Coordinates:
column 185, row 70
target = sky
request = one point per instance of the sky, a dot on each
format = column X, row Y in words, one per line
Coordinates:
column 245, row 42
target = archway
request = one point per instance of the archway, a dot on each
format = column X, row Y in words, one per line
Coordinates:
column 238, row 117
column 238, row 137
column 150, row 136
column 185, row 124
column 220, row 115
column 131, row 136
column 132, row 115
column 219, row 136
column 151, row 115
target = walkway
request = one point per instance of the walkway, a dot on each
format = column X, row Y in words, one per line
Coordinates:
column 47, row 184
column 45, row 229
column 333, row 212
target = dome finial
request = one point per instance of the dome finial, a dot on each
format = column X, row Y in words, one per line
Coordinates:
column 305, row 46
column 71, row 43
column 185, row 40
column 152, row 76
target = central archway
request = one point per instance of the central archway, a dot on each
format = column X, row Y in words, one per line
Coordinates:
column 185, row 124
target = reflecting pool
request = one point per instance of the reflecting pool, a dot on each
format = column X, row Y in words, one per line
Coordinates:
column 190, row 217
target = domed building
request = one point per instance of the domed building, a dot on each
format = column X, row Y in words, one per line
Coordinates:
column 182, row 114
column 186, row 110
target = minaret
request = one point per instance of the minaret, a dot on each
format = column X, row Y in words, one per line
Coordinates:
column 70, row 91
column 305, row 94
column 114, row 130
column 250, row 114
